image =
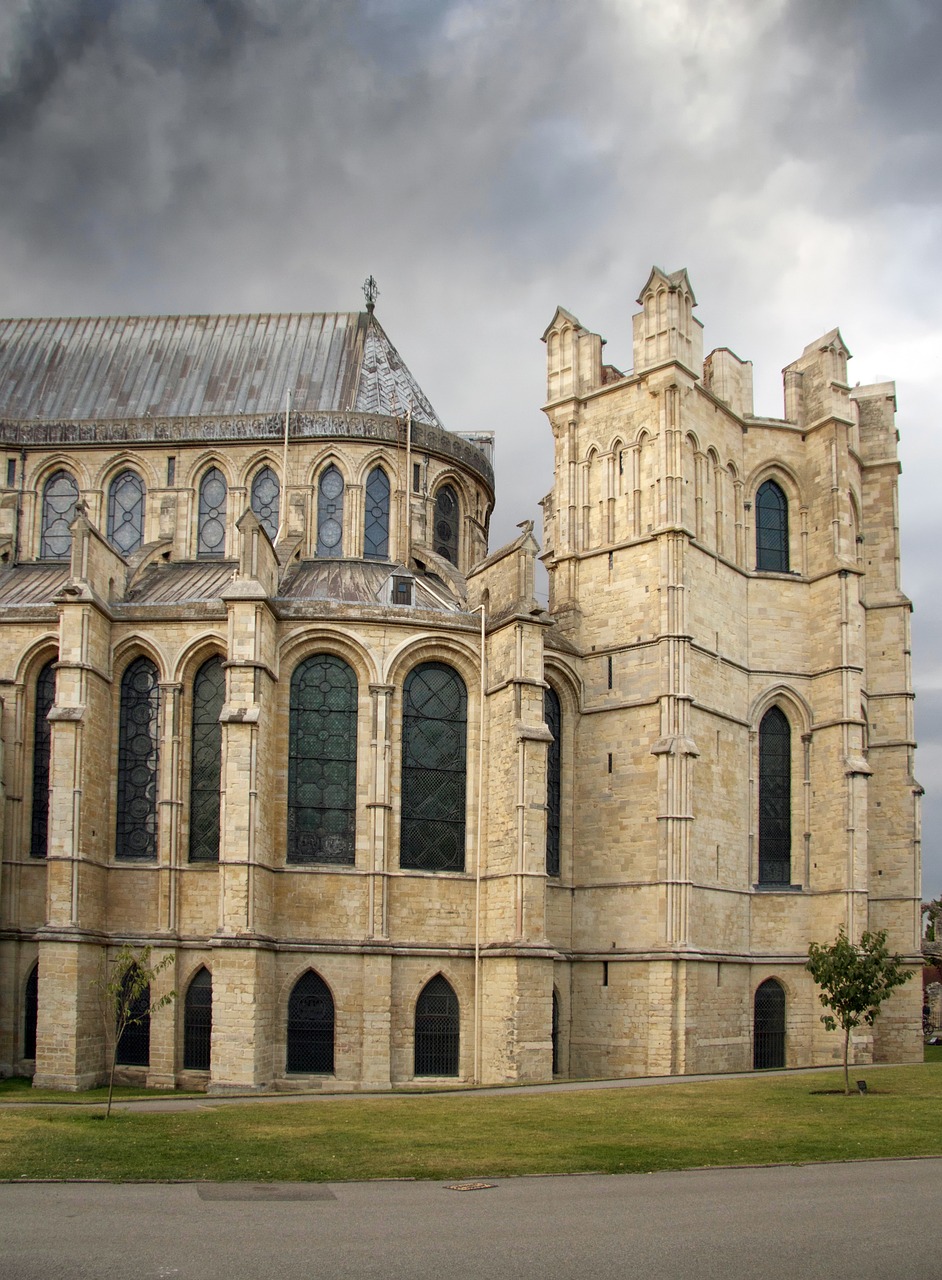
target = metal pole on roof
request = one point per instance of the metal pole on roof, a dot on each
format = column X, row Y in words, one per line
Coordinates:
column 407, row 541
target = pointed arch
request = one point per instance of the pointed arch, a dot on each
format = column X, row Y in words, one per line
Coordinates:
column 771, row 528
column 310, row 1036
column 434, row 751
column 126, row 496
column 376, row 516
column 775, row 798
column 266, row 500
column 446, row 523
column 322, row 760
column 60, row 498
column 552, row 714
column 136, row 828
column 437, row 1029
column 134, row 1045
column 330, row 488
column 31, row 1012
column 211, row 517
column 209, row 694
column 42, row 754
column 198, row 1022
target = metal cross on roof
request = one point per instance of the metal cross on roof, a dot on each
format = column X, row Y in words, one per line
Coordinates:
column 370, row 292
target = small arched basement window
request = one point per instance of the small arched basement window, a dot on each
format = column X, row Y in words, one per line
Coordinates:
column 198, row 1022
column 126, row 512
column 60, row 497
column 768, row 1038
column 310, row 1026
column 134, row 1044
column 771, row 528
column 437, row 1029
column 31, row 1012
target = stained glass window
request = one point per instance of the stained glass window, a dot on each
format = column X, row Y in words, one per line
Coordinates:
column 330, row 513
column 209, row 692
column 45, row 696
column 322, row 759
column 198, row 1022
column 266, row 498
column 553, row 717
column 771, row 528
column 60, row 496
column 310, row 1026
column 126, row 512
column 134, row 1044
column 376, row 521
column 211, row 529
column 768, row 1040
column 775, row 800
column 31, row 1012
column 434, row 735
column 445, row 539
column 437, row 1029
column 136, row 836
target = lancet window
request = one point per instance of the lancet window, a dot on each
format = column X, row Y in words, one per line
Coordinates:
column 126, row 512
column 136, row 835
column 434, row 745
column 209, row 693
column 211, row 520
column 60, row 497
column 322, row 757
column 376, row 520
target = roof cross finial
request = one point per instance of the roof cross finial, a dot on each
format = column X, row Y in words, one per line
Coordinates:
column 370, row 292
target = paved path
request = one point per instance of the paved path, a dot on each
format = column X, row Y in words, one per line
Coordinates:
column 866, row 1221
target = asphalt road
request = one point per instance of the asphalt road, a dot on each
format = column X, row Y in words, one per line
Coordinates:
column 868, row 1221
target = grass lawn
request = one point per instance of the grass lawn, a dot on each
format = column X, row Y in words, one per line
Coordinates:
column 760, row 1120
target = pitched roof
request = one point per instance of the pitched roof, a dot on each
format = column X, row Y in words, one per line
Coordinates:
column 101, row 369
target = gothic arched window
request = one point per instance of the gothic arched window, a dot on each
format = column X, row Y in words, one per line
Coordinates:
column 434, row 734
column 60, row 496
column 330, row 513
column 554, row 1032
column 31, row 1012
column 322, row 762
column 211, row 519
column 209, row 693
column 134, row 1044
column 553, row 716
column 445, row 540
column 310, row 1026
column 136, row 834
column 45, row 696
column 768, row 1035
column 775, row 798
column 376, row 519
column 126, row 512
column 771, row 528
column 198, row 1022
column 266, row 500
column 437, row 1029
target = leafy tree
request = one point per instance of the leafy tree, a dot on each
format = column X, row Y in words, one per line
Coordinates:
column 124, row 987
column 933, row 913
column 854, row 981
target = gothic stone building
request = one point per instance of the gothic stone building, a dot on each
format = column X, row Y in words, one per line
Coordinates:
column 270, row 708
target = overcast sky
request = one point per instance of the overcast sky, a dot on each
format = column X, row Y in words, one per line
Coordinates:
column 486, row 160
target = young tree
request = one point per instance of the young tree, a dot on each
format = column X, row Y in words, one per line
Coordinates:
column 854, row 981
column 125, row 990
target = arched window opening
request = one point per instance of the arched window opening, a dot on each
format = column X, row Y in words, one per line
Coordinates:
column 330, row 513
column 376, row 520
column 775, row 798
column 211, row 521
column 42, row 743
column 134, row 1044
column 771, row 528
column 552, row 713
column 768, row 1039
column 60, row 496
column 322, row 760
column 136, row 834
column 266, row 500
column 445, row 541
column 198, row 1022
column 126, row 512
column 555, row 1032
column 209, row 693
column 437, row 1030
column 434, row 746
column 310, row 1026
column 31, row 1012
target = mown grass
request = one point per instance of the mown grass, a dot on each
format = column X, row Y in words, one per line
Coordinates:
column 759, row 1120
column 19, row 1089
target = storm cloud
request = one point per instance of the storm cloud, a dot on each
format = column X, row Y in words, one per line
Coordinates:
column 486, row 160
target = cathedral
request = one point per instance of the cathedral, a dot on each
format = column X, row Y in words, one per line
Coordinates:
column 270, row 707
